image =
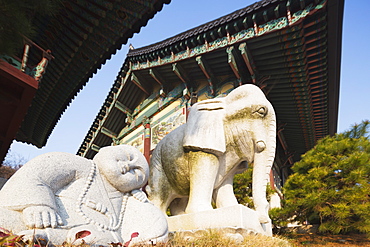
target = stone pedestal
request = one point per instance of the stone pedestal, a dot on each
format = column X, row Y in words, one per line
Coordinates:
column 237, row 216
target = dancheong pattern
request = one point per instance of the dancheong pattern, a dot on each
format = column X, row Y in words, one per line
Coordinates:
column 272, row 25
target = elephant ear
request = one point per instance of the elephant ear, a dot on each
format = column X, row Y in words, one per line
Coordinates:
column 204, row 129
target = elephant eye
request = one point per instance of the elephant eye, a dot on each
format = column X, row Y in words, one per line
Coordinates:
column 262, row 111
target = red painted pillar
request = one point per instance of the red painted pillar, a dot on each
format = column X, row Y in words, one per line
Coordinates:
column 147, row 140
column 272, row 180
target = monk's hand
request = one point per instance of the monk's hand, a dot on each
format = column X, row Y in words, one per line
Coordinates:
column 41, row 217
column 139, row 195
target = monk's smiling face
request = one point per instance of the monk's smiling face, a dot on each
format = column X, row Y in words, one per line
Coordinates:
column 123, row 166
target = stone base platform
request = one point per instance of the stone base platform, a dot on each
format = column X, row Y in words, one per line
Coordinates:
column 237, row 216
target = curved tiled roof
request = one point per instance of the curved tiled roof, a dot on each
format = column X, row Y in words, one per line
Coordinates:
column 291, row 47
column 82, row 36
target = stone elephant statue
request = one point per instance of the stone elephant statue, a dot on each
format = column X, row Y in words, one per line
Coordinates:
column 196, row 162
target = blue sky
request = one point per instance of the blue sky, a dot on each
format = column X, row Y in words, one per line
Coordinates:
column 181, row 15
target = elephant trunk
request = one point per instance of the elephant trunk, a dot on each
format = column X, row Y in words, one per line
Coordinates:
column 263, row 161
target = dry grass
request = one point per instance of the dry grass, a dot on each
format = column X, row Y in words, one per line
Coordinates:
column 217, row 238
column 320, row 240
column 220, row 238
column 213, row 238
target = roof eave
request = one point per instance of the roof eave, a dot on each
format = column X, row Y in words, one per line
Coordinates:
column 335, row 27
column 38, row 134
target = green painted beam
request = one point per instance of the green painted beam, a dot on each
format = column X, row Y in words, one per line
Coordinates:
column 180, row 72
column 108, row 133
column 156, row 76
column 206, row 69
column 123, row 108
column 138, row 83
column 248, row 59
column 95, row 148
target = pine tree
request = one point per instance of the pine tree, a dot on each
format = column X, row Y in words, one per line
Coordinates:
column 359, row 130
column 331, row 184
column 242, row 185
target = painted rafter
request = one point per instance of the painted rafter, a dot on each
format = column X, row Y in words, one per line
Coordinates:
column 203, row 64
column 248, row 59
column 138, row 83
column 233, row 61
column 120, row 106
column 180, row 72
column 156, row 76
column 95, row 147
column 108, row 133
column 123, row 108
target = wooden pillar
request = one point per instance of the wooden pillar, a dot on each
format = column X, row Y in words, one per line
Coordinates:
column 25, row 57
column 272, row 180
column 147, row 138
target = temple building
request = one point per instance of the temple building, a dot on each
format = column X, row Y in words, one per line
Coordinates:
column 69, row 47
column 291, row 49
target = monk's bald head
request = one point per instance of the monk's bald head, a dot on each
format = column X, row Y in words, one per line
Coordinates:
column 124, row 166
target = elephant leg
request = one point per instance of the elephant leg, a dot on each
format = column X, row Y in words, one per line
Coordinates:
column 159, row 190
column 224, row 195
column 203, row 172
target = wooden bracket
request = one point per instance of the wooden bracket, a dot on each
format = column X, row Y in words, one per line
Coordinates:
column 203, row 64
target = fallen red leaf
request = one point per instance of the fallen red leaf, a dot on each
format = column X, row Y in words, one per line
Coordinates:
column 133, row 235
column 4, row 232
column 82, row 234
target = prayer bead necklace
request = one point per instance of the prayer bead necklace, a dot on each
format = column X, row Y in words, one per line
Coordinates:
column 113, row 226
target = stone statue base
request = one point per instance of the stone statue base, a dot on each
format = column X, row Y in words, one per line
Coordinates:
column 237, row 216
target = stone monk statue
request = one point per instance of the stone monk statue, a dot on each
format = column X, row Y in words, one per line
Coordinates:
column 61, row 194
